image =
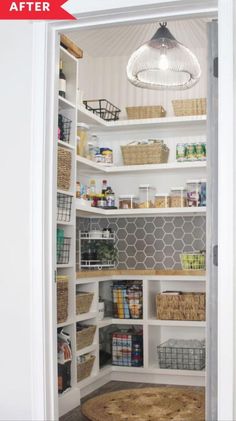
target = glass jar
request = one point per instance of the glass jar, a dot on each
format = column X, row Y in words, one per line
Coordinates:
column 162, row 200
column 146, row 194
column 203, row 192
column 128, row 201
column 82, row 141
column 178, row 197
column 193, row 193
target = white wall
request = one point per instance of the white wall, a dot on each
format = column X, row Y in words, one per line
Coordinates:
column 15, row 71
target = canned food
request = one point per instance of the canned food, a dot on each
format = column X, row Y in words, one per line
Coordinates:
column 190, row 152
column 200, row 151
column 180, row 152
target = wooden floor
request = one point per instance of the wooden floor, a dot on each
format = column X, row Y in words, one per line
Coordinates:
column 76, row 415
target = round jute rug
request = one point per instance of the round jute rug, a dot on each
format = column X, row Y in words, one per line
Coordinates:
column 147, row 404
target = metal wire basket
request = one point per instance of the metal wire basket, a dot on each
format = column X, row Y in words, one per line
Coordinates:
column 64, row 205
column 64, row 128
column 103, row 108
column 182, row 354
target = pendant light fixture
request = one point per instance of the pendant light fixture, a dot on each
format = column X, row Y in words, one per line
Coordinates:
column 163, row 63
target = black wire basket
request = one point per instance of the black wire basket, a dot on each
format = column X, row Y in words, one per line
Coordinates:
column 64, row 205
column 64, row 128
column 63, row 250
column 103, row 108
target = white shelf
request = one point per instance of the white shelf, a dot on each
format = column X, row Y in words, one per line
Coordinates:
column 64, row 52
column 86, row 164
column 182, row 323
column 68, row 322
column 66, row 192
column 155, row 370
column 65, row 145
column 70, row 224
column 63, row 266
column 107, row 321
column 91, row 348
column 86, row 316
column 64, row 104
column 90, row 211
column 88, row 117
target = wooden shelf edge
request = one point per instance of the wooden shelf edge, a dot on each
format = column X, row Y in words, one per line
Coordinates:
column 144, row 272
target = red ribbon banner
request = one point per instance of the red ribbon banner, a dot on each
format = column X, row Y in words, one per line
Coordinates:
column 34, row 9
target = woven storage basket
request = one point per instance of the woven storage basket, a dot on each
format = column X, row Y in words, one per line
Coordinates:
column 84, row 369
column 185, row 107
column 64, row 159
column 83, row 302
column 153, row 153
column 185, row 306
column 62, row 298
column 153, row 111
column 85, row 337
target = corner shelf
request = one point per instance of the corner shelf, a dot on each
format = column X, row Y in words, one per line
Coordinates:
column 182, row 323
column 89, row 211
column 85, row 116
column 86, row 164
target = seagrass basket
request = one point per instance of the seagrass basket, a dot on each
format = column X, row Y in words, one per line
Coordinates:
column 85, row 336
column 141, row 154
column 84, row 368
column 153, row 111
column 182, row 306
column 188, row 107
column 62, row 298
column 64, row 160
column 83, row 302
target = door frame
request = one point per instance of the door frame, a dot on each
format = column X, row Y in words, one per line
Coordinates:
column 43, row 332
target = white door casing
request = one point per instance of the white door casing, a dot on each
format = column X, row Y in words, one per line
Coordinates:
column 44, row 400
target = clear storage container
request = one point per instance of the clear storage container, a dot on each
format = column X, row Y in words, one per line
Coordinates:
column 146, row 195
column 178, row 197
column 82, row 141
column 193, row 193
column 128, row 201
column 162, row 200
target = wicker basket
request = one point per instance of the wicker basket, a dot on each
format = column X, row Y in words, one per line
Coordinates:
column 153, row 111
column 85, row 337
column 185, row 306
column 83, row 302
column 64, row 159
column 84, row 369
column 153, row 153
column 62, row 298
column 185, row 107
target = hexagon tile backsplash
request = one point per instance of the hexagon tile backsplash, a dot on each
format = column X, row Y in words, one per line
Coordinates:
column 152, row 242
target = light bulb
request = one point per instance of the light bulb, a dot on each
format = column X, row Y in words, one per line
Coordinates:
column 163, row 62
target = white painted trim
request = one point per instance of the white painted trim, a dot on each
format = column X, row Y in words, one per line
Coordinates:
column 226, row 220
column 43, row 311
column 38, row 372
column 226, row 215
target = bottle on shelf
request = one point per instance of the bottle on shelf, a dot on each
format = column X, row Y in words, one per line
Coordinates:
column 104, row 186
column 62, row 81
column 92, row 187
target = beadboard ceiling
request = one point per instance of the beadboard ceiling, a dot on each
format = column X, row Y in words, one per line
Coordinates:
column 122, row 40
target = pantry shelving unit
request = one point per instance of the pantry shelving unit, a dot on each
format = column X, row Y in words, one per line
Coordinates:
column 113, row 134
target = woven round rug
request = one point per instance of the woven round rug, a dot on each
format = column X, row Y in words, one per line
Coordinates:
column 148, row 404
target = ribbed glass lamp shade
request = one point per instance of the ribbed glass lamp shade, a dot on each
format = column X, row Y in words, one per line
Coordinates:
column 163, row 63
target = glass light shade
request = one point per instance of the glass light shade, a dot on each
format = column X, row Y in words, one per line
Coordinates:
column 163, row 63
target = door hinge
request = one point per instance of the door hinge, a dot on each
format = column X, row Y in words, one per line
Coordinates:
column 215, row 255
column 215, row 67
column 55, row 276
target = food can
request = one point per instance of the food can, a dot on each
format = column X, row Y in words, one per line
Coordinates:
column 180, row 152
column 200, row 151
column 190, row 152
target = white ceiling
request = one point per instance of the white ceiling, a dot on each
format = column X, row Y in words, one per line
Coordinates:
column 123, row 40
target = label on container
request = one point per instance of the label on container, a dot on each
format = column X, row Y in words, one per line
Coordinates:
column 180, row 152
